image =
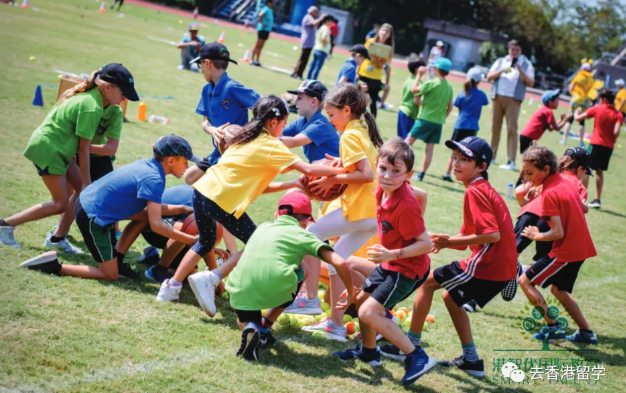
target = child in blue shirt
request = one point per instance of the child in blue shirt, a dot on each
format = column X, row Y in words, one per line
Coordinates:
column 189, row 47
column 224, row 101
column 132, row 192
column 312, row 130
column 348, row 71
column 470, row 103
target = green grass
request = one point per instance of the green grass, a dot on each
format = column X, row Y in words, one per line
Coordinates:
column 67, row 334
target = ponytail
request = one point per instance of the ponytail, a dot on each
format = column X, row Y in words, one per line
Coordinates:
column 374, row 132
column 266, row 108
column 82, row 87
column 468, row 86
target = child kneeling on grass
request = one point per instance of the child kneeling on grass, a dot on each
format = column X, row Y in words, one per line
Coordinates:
column 402, row 258
column 269, row 274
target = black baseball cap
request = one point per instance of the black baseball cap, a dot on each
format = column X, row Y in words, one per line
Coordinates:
column 174, row 146
column 213, row 51
column 361, row 50
column 312, row 88
column 582, row 156
column 120, row 76
column 473, row 147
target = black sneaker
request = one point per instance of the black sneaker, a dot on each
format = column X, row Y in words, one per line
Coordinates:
column 267, row 339
column 45, row 263
column 447, row 178
column 476, row 369
column 392, row 352
column 509, row 291
column 471, row 306
column 420, row 176
column 125, row 271
column 595, row 204
column 158, row 274
column 250, row 340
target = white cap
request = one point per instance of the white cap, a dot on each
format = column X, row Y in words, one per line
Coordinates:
column 620, row 82
column 586, row 67
column 439, row 43
column 474, row 74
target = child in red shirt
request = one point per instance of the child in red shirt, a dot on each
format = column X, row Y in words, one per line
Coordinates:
column 606, row 128
column 572, row 244
column 403, row 263
column 488, row 231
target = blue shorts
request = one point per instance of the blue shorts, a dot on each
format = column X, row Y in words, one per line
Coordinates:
column 405, row 123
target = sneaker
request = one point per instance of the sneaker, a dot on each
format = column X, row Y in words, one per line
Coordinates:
column 45, row 263
column 550, row 334
column 125, row 271
column 447, row 178
column 476, row 369
column 416, row 365
column 62, row 245
column 250, row 340
column 509, row 166
column 7, row 238
column 330, row 330
column 419, row 176
column 150, row 256
column 583, row 338
column 180, row 67
column 595, row 204
column 168, row 292
column 302, row 305
column 203, row 286
column 357, row 353
column 509, row 291
column 157, row 274
column 582, row 144
column 562, row 141
column 386, row 106
column 392, row 352
column 471, row 306
column 267, row 339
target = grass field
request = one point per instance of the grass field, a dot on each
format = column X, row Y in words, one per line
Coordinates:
column 67, row 334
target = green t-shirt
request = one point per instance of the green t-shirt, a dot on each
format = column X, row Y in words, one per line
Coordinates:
column 110, row 125
column 265, row 275
column 323, row 31
column 55, row 142
column 436, row 96
column 407, row 106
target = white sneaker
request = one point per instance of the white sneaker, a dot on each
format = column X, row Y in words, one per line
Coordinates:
column 168, row 292
column 562, row 141
column 6, row 237
column 302, row 305
column 203, row 286
column 509, row 166
column 63, row 245
column 329, row 329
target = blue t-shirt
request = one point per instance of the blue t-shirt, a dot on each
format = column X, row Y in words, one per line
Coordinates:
column 226, row 102
column 470, row 108
column 348, row 70
column 319, row 130
column 178, row 195
column 192, row 49
column 124, row 192
column 268, row 19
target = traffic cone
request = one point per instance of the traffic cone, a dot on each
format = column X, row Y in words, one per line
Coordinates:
column 246, row 57
column 25, row 4
column 38, row 100
column 222, row 38
column 103, row 7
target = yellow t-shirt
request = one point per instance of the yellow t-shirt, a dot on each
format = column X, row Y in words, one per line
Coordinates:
column 581, row 85
column 620, row 99
column 244, row 172
column 358, row 200
column 373, row 69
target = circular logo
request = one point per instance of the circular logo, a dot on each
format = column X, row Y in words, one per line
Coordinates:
column 553, row 312
column 529, row 324
column 563, row 322
column 538, row 312
column 226, row 103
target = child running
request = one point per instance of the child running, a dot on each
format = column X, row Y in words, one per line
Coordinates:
column 253, row 159
column 470, row 103
column 348, row 71
column 269, row 274
column 488, row 231
column 401, row 256
column 67, row 131
column 436, row 97
column 409, row 108
column 572, row 245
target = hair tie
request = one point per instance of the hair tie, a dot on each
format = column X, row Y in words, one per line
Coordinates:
column 276, row 112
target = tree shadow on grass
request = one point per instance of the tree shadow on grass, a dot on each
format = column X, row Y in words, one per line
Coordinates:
column 599, row 356
column 440, row 185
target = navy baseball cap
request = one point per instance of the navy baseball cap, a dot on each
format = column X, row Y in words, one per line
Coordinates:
column 120, row 76
column 312, row 88
column 549, row 95
column 473, row 147
column 581, row 155
column 174, row 146
column 361, row 50
column 213, row 51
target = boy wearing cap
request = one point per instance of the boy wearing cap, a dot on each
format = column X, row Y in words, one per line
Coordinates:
column 189, row 47
column 409, row 108
column 436, row 97
column 606, row 129
column 132, row 192
column 311, row 130
column 620, row 97
column 224, row 101
column 348, row 71
column 269, row 274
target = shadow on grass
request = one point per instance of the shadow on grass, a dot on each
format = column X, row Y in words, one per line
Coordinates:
column 472, row 384
column 610, row 212
column 441, row 184
column 599, row 356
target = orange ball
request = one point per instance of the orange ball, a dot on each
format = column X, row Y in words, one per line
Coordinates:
column 406, row 310
column 401, row 315
column 350, row 328
column 430, row 319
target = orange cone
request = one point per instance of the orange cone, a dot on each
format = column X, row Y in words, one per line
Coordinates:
column 246, row 57
column 222, row 38
column 103, row 7
column 25, row 4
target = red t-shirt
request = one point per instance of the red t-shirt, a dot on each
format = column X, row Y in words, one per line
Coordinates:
column 484, row 211
column 605, row 116
column 534, row 206
column 334, row 30
column 400, row 221
column 539, row 122
column 559, row 198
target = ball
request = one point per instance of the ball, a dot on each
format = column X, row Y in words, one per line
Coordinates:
column 189, row 225
column 32, row 59
column 332, row 194
column 318, row 335
column 293, row 322
column 347, row 318
column 350, row 328
column 324, row 306
column 229, row 133
column 430, row 319
column 284, row 319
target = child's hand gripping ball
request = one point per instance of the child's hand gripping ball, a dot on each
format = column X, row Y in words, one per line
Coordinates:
column 333, row 193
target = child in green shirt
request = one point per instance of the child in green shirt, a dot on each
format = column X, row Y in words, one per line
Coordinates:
column 409, row 108
column 436, row 96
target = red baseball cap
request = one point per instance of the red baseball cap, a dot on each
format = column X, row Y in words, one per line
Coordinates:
column 295, row 202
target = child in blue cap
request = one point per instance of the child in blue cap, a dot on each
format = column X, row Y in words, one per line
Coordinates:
column 190, row 47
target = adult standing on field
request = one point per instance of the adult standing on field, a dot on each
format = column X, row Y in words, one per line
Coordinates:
column 371, row 71
column 264, row 27
column 510, row 76
column 307, row 40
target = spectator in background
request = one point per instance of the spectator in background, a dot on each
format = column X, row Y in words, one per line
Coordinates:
column 264, row 27
column 436, row 52
column 620, row 97
column 119, row 3
column 189, row 47
column 321, row 48
column 510, row 76
column 579, row 90
column 371, row 72
column 372, row 33
column 334, row 33
column 307, row 40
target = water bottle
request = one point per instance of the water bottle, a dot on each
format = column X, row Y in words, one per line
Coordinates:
column 158, row 119
column 510, row 191
column 141, row 113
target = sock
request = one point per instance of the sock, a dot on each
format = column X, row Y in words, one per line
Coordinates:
column 56, row 239
column 369, row 352
column 585, row 331
column 175, row 283
column 469, row 352
column 160, row 268
column 217, row 273
column 120, row 257
column 416, row 338
column 4, row 223
column 267, row 323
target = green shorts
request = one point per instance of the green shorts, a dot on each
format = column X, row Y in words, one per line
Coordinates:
column 100, row 241
column 427, row 131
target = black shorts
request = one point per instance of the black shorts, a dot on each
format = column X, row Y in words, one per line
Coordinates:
column 390, row 288
column 547, row 271
column 460, row 133
column 464, row 288
column 99, row 166
column 600, row 157
column 156, row 240
column 262, row 35
column 530, row 219
column 524, row 143
column 100, row 241
column 42, row 172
